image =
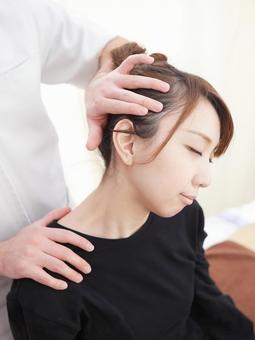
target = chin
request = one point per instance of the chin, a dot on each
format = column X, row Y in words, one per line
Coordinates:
column 169, row 212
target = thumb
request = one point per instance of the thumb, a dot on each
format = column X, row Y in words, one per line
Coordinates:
column 95, row 136
column 55, row 214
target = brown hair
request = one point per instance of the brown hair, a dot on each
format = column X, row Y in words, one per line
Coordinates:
column 185, row 91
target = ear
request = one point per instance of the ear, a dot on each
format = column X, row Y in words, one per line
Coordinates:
column 124, row 142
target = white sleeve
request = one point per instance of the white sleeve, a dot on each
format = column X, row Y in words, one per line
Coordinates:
column 69, row 46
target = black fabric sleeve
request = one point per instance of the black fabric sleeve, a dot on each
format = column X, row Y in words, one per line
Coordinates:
column 214, row 311
column 37, row 312
column 27, row 325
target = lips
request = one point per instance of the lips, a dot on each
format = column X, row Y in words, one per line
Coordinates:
column 189, row 196
column 187, row 200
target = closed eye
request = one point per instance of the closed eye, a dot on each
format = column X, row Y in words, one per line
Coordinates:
column 197, row 152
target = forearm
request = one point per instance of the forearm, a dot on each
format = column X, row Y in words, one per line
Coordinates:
column 105, row 62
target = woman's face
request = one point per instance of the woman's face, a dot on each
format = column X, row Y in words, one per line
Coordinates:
column 182, row 166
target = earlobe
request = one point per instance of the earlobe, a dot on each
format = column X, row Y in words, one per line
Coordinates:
column 124, row 141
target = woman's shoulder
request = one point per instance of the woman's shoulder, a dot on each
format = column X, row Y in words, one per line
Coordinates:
column 36, row 305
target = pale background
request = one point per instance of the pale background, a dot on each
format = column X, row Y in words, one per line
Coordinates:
column 214, row 39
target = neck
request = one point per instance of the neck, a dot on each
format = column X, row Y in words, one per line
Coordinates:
column 113, row 210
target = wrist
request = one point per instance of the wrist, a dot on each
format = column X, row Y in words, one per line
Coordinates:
column 106, row 66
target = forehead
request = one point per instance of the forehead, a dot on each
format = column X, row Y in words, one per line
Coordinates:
column 203, row 119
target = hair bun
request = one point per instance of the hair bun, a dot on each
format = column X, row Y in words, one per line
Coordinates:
column 119, row 54
column 159, row 57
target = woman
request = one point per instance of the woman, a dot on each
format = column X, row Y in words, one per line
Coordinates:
column 149, row 276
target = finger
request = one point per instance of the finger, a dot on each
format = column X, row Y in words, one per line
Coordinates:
column 131, row 97
column 115, row 106
column 55, row 214
column 66, row 254
column 131, row 61
column 57, row 266
column 68, row 236
column 137, row 82
column 95, row 134
column 41, row 276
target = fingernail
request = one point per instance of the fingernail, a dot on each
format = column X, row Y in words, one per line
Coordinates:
column 79, row 279
column 91, row 247
column 143, row 111
column 158, row 107
column 87, row 270
column 88, row 147
column 64, row 285
column 165, row 87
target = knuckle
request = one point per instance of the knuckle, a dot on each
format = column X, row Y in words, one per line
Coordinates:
column 59, row 266
column 35, row 232
column 152, row 84
column 82, row 264
column 40, row 277
column 96, row 101
column 28, row 251
column 80, row 241
column 125, row 95
column 34, row 240
column 134, row 108
column 121, row 80
column 67, row 253
column 145, row 101
column 105, row 91
column 67, row 235
column 21, row 268
column 77, row 261
column 130, row 58
column 137, row 83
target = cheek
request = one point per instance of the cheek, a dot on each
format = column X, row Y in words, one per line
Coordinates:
column 175, row 167
column 161, row 179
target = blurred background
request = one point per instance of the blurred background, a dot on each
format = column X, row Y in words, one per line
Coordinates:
column 214, row 39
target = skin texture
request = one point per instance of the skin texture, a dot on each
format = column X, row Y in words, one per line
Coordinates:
column 137, row 189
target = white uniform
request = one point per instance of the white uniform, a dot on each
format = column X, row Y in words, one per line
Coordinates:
column 38, row 43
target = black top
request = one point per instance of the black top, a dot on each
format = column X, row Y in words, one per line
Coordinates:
column 153, row 285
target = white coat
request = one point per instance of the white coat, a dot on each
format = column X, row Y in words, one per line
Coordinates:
column 39, row 43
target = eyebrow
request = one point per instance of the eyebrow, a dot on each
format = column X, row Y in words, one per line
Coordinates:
column 209, row 141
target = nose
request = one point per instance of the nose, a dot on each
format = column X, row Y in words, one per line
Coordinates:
column 203, row 177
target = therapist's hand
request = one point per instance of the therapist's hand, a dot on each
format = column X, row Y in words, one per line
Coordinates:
column 35, row 247
column 108, row 92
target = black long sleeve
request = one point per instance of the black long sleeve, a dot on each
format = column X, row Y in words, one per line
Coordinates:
column 214, row 311
column 46, row 314
column 26, row 325
column 153, row 285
